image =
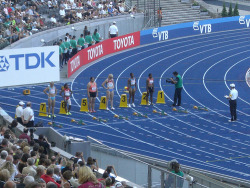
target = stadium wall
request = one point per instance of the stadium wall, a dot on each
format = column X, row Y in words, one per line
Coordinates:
column 157, row 35
column 132, row 25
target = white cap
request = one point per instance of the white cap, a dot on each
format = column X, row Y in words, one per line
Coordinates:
column 114, row 22
column 232, row 85
column 118, row 184
column 21, row 103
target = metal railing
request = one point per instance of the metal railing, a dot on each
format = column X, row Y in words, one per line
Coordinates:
column 167, row 179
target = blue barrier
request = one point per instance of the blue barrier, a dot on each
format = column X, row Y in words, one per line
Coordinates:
column 194, row 28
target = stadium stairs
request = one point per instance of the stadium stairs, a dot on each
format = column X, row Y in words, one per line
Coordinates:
column 174, row 11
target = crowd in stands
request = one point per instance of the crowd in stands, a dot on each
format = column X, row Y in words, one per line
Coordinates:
column 26, row 162
column 19, row 19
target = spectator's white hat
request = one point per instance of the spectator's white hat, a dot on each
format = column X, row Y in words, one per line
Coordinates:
column 114, row 22
column 118, row 184
column 111, row 3
column 232, row 85
column 21, row 103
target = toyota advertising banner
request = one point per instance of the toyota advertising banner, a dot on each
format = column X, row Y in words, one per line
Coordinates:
column 101, row 49
column 29, row 66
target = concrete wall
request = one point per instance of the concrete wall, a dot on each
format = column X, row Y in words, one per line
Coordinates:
column 125, row 23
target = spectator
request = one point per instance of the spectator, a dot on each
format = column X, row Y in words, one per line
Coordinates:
column 67, row 48
column 13, row 126
column 28, row 180
column 39, row 172
column 29, row 169
column 16, row 173
column 62, row 12
column 42, row 183
column 87, row 178
column 159, row 15
column 28, row 116
column 25, row 135
column 9, row 184
column 108, row 182
column 89, row 39
column 19, row 112
column 118, row 185
column 113, row 30
column 4, row 176
column 51, row 185
column 67, row 175
column 91, row 164
column 53, row 20
column 8, row 165
column 57, row 174
column 68, row 166
column 48, row 176
column 42, row 141
column 4, row 144
column 79, row 15
column 96, row 36
column 109, row 170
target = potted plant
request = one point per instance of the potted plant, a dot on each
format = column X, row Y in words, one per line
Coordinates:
column 195, row 5
column 204, row 12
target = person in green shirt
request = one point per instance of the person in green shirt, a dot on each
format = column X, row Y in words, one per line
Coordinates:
column 96, row 36
column 179, row 181
column 178, row 88
column 68, row 47
column 60, row 54
column 73, row 44
column 81, row 42
column 89, row 39
column 61, row 44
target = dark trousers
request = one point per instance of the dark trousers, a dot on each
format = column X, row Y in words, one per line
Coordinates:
column 177, row 95
column 19, row 120
column 29, row 124
column 64, row 58
column 233, row 106
column 112, row 35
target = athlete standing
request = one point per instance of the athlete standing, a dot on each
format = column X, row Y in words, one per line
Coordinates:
column 110, row 90
column 132, row 88
column 52, row 91
column 66, row 93
column 150, row 88
column 92, row 94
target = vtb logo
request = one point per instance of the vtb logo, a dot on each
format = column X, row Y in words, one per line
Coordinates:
column 244, row 21
column 4, row 64
column 205, row 28
column 162, row 35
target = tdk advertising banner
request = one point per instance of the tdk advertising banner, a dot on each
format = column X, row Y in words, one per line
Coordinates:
column 29, row 66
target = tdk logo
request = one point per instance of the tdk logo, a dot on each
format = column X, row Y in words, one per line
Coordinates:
column 32, row 60
column 4, row 64
column 162, row 35
column 244, row 21
column 206, row 28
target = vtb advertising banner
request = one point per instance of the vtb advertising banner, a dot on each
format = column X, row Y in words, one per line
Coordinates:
column 101, row 49
column 29, row 66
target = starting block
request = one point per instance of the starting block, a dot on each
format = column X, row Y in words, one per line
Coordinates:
column 43, row 110
column 103, row 103
column 143, row 98
column 200, row 108
column 124, row 101
column 52, row 124
column 100, row 119
column 80, row 122
column 140, row 115
column 26, row 92
column 84, row 105
column 160, row 98
column 182, row 111
column 120, row 117
column 161, row 113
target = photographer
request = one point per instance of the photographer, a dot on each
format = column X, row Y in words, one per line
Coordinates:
column 42, row 141
column 178, row 88
column 91, row 164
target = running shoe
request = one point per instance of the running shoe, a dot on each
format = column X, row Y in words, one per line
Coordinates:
column 133, row 104
column 54, row 115
column 69, row 113
column 107, row 108
column 112, row 108
column 90, row 111
column 93, row 111
column 129, row 105
column 49, row 116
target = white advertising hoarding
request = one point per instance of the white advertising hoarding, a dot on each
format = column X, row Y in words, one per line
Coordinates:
column 29, row 66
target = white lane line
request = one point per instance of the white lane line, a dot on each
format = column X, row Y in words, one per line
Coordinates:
column 225, row 77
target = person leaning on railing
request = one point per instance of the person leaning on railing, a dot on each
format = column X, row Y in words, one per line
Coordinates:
column 96, row 36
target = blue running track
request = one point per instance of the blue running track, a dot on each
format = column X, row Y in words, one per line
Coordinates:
column 201, row 139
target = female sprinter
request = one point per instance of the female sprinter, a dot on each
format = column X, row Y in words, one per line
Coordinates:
column 132, row 88
column 150, row 88
column 110, row 90
column 92, row 94
column 67, row 93
column 52, row 91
